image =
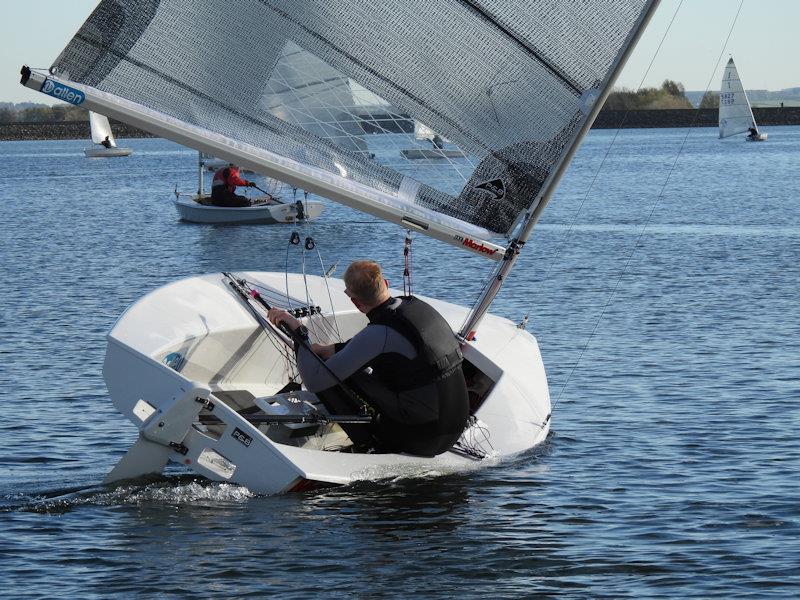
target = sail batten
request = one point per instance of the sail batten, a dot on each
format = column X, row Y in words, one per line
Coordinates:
column 506, row 84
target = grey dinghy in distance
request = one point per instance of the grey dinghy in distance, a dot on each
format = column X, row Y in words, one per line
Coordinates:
column 192, row 211
column 268, row 209
column 514, row 86
column 101, row 132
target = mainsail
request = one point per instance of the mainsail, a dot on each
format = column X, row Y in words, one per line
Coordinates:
column 269, row 84
column 735, row 114
column 101, row 129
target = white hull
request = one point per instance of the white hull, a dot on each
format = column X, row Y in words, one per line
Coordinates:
column 761, row 137
column 103, row 152
column 220, row 355
column 194, row 212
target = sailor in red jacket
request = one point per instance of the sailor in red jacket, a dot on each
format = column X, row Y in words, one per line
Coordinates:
column 223, row 187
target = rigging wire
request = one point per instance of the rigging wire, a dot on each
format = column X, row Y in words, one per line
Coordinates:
column 407, row 260
column 325, row 277
column 658, row 198
column 565, row 238
column 294, row 239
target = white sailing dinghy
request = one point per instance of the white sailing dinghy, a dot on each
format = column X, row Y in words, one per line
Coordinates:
column 101, row 132
column 437, row 148
column 194, row 365
column 735, row 114
column 268, row 209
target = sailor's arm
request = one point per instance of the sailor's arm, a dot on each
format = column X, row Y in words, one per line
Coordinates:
column 364, row 347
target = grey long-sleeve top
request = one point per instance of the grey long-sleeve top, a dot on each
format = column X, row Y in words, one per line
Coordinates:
column 413, row 406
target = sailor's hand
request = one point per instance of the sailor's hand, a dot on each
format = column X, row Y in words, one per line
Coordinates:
column 323, row 351
column 277, row 316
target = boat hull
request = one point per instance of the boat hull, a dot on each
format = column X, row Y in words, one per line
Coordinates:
column 191, row 211
column 192, row 344
column 761, row 137
column 107, row 152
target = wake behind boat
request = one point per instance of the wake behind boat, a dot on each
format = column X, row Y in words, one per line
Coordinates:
column 196, row 366
column 103, row 138
column 735, row 113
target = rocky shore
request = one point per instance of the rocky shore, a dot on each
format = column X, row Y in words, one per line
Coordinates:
column 705, row 117
column 62, row 130
column 607, row 119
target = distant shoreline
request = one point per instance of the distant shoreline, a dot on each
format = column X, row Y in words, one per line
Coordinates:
column 607, row 119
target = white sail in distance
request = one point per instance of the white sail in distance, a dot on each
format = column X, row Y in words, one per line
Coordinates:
column 511, row 84
column 101, row 129
column 735, row 114
column 423, row 132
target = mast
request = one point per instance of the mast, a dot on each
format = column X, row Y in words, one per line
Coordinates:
column 199, row 175
column 475, row 316
column 747, row 101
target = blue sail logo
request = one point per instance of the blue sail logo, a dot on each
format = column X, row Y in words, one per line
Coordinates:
column 63, row 92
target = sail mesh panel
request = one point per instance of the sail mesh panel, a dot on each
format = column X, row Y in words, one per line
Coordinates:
column 507, row 82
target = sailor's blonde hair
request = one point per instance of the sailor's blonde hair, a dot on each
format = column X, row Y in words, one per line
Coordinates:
column 363, row 281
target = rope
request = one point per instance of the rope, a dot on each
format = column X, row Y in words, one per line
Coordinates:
column 407, row 261
column 330, row 298
column 658, row 198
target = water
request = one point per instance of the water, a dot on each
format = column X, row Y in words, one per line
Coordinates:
column 671, row 470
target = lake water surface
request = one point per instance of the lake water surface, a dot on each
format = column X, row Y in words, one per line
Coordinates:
column 672, row 351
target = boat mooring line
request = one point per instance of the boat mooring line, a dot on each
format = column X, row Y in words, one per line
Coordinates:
column 660, row 194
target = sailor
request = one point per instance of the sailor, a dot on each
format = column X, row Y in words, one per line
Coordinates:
column 223, row 187
column 106, row 142
column 415, row 384
column 753, row 132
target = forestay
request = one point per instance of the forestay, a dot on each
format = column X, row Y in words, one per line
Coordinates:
column 735, row 114
column 296, row 89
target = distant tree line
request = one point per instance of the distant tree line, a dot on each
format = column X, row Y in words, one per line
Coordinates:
column 43, row 113
column 710, row 100
column 671, row 94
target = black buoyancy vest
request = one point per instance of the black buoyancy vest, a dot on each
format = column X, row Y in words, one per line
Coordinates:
column 438, row 352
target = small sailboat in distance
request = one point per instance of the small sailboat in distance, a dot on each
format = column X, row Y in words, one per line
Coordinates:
column 268, row 209
column 423, row 132
column 103, row 138
column 735, row 114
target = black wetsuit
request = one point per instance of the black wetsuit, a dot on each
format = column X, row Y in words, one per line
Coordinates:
column 223, row 189
column 416, row 385
column 220, row 196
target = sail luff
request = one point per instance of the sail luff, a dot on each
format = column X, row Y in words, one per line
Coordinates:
column 551, row 183
column 749, row 108
column 350, row 193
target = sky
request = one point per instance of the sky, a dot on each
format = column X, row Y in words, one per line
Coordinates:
column 764, row 42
